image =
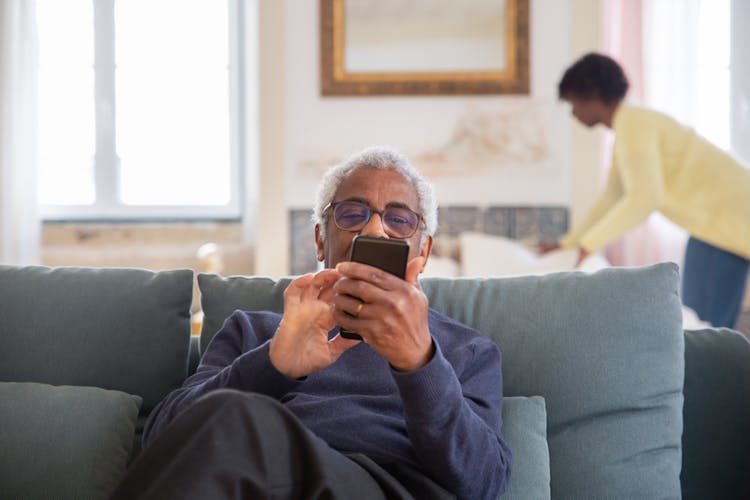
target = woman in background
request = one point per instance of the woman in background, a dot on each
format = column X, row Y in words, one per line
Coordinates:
column 659, row 164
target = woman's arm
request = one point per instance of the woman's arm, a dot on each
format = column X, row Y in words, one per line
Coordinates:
column 637, row 160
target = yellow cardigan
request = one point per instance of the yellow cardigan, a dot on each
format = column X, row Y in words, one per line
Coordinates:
column 659, row 164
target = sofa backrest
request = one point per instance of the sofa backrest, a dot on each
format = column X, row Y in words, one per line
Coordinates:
column 604, row 350
column 124, row 329
column 221, row 296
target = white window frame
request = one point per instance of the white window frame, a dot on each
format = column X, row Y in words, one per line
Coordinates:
column 107, row 205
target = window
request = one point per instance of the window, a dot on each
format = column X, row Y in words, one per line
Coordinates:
column 138, row 108
column 687, row 63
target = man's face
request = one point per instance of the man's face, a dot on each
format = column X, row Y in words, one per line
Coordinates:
column 377, row 188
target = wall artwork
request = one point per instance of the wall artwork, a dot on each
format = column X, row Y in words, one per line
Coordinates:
column 487, row 141
column 372, row 47
column 501, row 153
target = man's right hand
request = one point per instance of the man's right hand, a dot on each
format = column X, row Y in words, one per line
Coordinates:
column 300, row 345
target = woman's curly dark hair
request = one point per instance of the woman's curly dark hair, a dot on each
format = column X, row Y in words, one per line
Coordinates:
column 594, row 75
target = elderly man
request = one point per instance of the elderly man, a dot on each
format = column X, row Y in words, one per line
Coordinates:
column 285, row 407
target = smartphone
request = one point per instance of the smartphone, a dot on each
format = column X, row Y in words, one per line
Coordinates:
column 389, row 255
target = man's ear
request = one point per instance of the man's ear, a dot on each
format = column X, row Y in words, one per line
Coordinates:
column 319, row 244
column 425, row 251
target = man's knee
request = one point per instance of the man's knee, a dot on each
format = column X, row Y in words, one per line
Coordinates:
column 238, row 403
column 233, row 397
column 251, row 421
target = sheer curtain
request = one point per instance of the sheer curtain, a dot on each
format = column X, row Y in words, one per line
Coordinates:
column 642, row 35
column 19, row 221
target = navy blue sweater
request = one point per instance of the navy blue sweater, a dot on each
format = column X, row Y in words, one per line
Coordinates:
column 444, row 418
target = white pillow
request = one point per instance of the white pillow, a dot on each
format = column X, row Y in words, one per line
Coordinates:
column 444, row 267
column 488, row 255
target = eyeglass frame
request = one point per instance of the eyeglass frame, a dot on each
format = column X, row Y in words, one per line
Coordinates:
column 421, row 223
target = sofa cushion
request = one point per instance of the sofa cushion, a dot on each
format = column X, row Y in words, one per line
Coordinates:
column 220, row 297
column 716, row 441
column 605, row 350
column 525, row 431
column 63, row 442
column 124, row 329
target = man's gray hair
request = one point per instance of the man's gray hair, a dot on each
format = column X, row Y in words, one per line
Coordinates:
column 382, row 157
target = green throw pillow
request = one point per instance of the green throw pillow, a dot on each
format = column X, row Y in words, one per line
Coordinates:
column 220, row 297
column 606, row 351
column 123, row 329
column 63, row 441
column 525, row 431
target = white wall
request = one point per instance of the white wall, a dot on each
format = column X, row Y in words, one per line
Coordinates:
column 587, row 146
column 269, row 203
column 326, row 129
column 305, row 131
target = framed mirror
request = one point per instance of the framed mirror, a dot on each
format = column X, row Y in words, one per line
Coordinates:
column 392, row 47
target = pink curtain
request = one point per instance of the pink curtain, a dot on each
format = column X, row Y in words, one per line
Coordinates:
column 656, row 239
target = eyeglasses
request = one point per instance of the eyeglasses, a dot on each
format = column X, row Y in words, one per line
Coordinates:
column 398, row 222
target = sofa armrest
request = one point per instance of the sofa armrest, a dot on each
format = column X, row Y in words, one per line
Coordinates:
column 716, row 415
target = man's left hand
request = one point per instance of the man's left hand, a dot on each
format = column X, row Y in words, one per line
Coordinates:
column 389, row 313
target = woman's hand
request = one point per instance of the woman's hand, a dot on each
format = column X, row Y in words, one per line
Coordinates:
column 582, row 254
column 545, row 248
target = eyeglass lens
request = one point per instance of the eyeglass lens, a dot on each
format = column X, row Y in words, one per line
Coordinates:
column 352, row 216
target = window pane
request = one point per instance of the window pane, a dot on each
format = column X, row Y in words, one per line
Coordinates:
column 687, row 64
column 713, row 72
column 66, row 102
column 172, row 101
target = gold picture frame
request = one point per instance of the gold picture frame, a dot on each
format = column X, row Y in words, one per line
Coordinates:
column 513, row 78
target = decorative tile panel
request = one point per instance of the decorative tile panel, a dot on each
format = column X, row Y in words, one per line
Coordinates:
column 454, row 220
column 539, row 224
column 531, row 224
column 498, row 221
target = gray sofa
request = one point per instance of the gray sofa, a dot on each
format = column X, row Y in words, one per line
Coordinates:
column 606, row 396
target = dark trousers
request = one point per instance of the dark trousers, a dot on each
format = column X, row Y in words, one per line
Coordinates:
column 713, row 282
column 236, row 445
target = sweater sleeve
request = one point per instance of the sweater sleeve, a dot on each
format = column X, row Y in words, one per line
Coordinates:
column 637, row 161
column 237, row 358
column 612, row 192
column 454, row 421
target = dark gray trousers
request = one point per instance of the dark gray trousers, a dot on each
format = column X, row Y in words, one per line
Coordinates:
column 236, row 445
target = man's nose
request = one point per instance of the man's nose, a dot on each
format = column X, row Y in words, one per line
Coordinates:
column 374, row 227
